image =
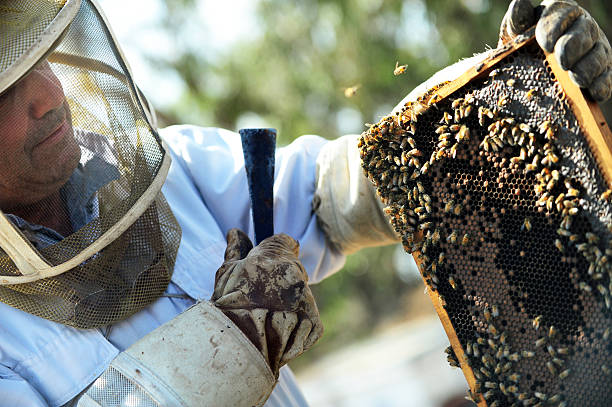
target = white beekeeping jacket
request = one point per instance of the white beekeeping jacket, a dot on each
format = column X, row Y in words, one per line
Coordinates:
column 44, row 363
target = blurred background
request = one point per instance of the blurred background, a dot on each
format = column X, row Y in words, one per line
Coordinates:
column 287, row 64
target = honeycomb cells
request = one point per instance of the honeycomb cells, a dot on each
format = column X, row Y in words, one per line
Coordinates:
column 496, row 192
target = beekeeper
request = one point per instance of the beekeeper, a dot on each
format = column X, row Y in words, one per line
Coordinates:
column 104, row 280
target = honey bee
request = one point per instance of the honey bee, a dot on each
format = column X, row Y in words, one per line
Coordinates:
column 495, row 310
column 514, row 377
column 452, row 282
column 457, row 210
column 559, row 245
column 527, row 224
column 606, row 195
column 564, row 374
column 467, row 111
column 503, row 101
column 527, row 354
column 441, row 258
column 399, row 69
column 536, row 321
column 466, row 239
column 452, row 238
column 351, row 91
column 530, row 94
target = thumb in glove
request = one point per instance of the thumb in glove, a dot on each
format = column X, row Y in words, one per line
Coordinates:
column 578, row 43
column 264, row 291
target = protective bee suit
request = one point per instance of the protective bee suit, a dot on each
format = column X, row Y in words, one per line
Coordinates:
column 59, row 349
column 90, row 259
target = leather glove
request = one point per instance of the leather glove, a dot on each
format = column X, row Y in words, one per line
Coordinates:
column 579, row 44
column 264, row 290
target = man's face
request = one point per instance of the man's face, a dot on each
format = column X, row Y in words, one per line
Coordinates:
column 38, row 151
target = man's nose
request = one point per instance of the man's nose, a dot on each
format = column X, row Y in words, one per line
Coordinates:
column 44, row 91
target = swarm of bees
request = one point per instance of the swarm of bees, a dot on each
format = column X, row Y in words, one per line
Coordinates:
column 482, row 191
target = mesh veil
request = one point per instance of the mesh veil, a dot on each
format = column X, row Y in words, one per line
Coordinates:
column 79, row 136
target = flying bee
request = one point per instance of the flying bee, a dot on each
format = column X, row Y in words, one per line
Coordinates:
column 399, row 69
column 351, row 91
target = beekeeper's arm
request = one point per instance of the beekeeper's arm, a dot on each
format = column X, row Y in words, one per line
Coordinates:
column 345, row 201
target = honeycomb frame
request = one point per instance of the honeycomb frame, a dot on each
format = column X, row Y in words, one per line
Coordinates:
column 545, row 164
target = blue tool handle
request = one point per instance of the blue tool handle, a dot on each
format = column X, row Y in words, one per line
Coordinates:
column 258, row 147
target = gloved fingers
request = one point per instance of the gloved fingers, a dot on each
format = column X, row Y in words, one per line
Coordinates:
column 220, row 281
column 229, row 278
column 297, row 346
column 556, row 18
column 280, row 245
column 283, row 323
column 233, row 300
column 591, row 66
column 601, row 88
column 576, row 42
column 238, row 245
column 315, row 334
column 519, row 17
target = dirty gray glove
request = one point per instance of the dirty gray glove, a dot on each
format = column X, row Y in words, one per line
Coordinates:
column 579, row 44
column 264, row 290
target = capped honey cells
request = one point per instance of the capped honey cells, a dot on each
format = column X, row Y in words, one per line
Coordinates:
column 497, row 193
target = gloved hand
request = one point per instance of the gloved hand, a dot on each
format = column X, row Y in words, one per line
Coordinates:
column 564, row 27
column 264, row 290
